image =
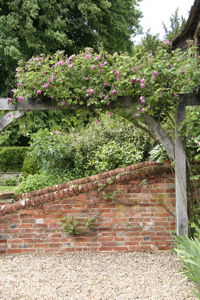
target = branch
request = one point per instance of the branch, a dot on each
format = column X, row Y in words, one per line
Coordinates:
column 5, row 120
column 161, row 134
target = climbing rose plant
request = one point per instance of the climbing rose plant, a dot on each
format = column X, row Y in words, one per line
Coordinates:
column 97, row 79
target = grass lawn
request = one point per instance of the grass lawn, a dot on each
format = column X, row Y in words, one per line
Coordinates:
column 7, row 188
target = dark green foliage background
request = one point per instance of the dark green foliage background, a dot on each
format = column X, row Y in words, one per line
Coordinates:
column 12, row 158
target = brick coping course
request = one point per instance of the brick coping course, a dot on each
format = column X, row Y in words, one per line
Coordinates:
column 76, row 187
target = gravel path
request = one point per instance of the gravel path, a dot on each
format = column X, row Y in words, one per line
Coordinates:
column 119, row 276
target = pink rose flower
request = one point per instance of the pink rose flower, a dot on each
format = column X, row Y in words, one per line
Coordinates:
column 91, row 91
column 63, row 103
column 9, row 115
column 114, row 92
column 166, row 42
column 20, row 99
column 70, row 66
column 105, row 84
column 182, row 72
column 142, row 99
column 143, row 109
column 26, row 110
column 9, row 100
column 46, row 85
column 110, row 114
column 155, row 73
column 137, row 80
column 132, row 69
column 142, row 85
column 92, row 67
column 38, row 92
column 46, row 72
column 57, row 132
column 96, row 121
column 170, row 66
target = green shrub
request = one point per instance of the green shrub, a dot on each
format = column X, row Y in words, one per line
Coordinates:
column 189, row 253
column 109, row 144
column 113, row 155
column 12, row 158
column 29, row 167
column 7, row 182
column 37, row 182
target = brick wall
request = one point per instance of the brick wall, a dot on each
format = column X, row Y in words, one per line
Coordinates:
column 147, row 198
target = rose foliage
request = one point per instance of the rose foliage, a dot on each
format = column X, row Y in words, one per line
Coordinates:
column 97, row 79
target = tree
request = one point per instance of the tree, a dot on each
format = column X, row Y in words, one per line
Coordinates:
column 176, row 26
column 30, row 28
column 149, row 43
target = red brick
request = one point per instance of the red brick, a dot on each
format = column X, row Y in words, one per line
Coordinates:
column 105, row 244
column 27, row 212
column 24, row 250
column 40, row 245
column 136, row 248
column 14, row 250
column 108, row 215
column 169, row 190
column 3, row 241
column 165, row 247
column 105, row 248
column 105, row 239
column 121, row 248
column 55, row 245
column 28, row 221
column 29, row 241
column 12, row 241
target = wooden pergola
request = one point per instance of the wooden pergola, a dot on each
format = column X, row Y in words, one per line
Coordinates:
column 176, row 149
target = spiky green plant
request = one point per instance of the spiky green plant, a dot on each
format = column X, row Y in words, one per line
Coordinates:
column 189, row 254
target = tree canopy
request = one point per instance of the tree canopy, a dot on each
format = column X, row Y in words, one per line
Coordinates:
column 30, row 28
column 177, row 23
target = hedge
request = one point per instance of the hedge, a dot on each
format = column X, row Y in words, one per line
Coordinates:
column 12, row 158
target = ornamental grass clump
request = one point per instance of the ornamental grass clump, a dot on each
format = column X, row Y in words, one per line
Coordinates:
column 189, row 254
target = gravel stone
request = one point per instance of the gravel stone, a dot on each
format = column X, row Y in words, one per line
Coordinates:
column 96, row 276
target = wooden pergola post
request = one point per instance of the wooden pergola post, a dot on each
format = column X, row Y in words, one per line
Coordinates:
column 180, row 177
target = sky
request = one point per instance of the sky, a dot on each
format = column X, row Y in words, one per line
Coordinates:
column 156, row 11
